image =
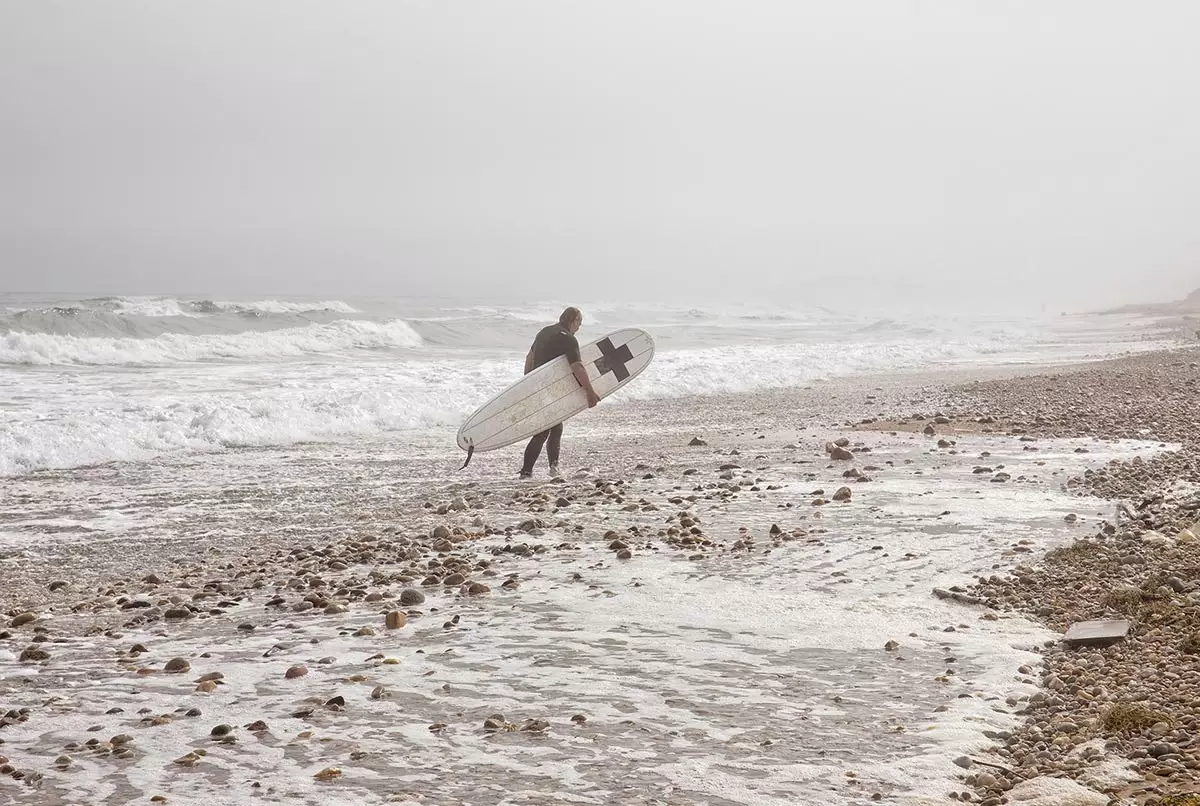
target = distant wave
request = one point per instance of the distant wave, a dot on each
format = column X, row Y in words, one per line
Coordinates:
column 347, row 334
column 885, row 326
column 147, row 317
column 270, row 306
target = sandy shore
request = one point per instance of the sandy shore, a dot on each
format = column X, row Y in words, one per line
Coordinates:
column 366, row 625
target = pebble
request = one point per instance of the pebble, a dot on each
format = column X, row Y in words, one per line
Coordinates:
column 410, row 597
column 296, row 671
column 177, row 666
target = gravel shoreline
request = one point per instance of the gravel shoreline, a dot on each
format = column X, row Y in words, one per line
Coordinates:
column 1136, row 702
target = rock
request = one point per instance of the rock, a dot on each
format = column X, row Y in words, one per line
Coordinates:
column 477, row 588
column 33, row 654
column 23, row 619
column 177, row 666
column 440, row 533
column 842, row 494
column 296, row 671
column 1046, row 791
column 697, row 443
column 410, row 597
column 964, row 762
column 175, row 613
column 395, row 620
column 891, row 646
column 221, row 730
column 1153, row 538
column 840, row 454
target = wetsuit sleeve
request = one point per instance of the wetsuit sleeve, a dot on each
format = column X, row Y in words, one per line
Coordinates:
column 571, row 349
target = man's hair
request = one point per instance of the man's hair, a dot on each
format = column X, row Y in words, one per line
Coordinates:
column 569, row 315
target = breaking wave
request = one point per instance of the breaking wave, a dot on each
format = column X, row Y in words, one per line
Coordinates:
column 43, row 349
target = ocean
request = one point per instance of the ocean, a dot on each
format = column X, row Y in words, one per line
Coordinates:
column 113, row 379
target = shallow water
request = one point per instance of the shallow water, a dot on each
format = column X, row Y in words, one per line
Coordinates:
column 753, row 676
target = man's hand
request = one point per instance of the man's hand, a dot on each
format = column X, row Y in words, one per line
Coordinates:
column 582, row 377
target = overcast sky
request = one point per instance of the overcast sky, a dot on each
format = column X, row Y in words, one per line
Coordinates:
column 1039, row 151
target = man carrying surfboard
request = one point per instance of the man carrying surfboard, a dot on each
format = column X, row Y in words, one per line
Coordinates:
column 551, row 342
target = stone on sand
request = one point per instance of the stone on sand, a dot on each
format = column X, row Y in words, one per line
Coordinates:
column 1055, row 792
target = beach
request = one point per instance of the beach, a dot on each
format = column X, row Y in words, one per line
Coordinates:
column 707, row 608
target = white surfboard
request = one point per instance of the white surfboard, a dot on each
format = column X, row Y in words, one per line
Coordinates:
column 550, row 394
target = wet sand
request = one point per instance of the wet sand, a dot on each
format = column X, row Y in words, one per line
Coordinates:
column 671, row 622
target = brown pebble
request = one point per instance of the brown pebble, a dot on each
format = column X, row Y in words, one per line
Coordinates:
column 296, row 671
column 177, row 665
column 477, row 588
column 395, row 620
column 23, row 619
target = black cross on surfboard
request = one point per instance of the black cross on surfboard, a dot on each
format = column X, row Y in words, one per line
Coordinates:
column 613, row 359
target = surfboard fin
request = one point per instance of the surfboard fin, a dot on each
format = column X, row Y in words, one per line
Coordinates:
column 470, row 453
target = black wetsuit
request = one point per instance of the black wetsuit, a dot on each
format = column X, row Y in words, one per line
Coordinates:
column 550, row 342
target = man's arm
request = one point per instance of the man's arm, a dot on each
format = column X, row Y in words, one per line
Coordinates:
column 581, row 373
column 582, row 376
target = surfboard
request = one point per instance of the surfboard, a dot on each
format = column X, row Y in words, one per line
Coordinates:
column 550, row 394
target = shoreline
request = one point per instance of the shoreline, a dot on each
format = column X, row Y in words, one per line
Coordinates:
column 415, row 501
column 1135, row 699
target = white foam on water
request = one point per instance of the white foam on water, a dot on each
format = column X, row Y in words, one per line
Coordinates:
column 146, row 306
column 23, row 348
column 275, row 306
column 683, row 667
column 190, row 400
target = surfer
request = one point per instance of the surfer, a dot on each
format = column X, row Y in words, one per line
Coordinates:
column 551, row 342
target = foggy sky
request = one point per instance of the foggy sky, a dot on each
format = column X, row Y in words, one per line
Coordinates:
column 1006, row 151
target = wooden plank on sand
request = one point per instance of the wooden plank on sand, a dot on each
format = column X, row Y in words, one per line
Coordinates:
column 1101, row 632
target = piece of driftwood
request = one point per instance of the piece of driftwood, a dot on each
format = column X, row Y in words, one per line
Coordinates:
column 1100, row 632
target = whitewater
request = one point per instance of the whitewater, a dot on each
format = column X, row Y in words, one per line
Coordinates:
column 91, row 380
